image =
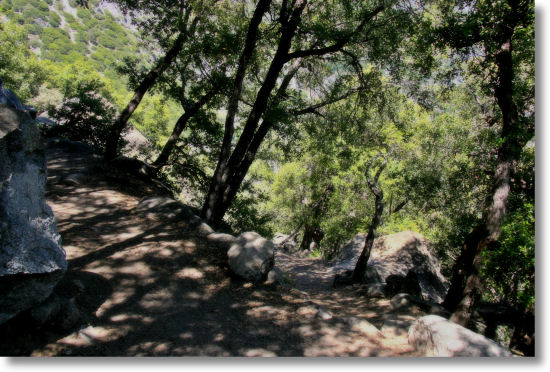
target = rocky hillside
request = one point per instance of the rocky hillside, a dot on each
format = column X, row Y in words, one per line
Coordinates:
column 61, row 31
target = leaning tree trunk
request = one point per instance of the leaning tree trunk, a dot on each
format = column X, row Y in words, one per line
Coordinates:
column 231, row 171
column 361, row 266
column 181, row 124
column 148, row 81
column 466, row 284
column 210, row 211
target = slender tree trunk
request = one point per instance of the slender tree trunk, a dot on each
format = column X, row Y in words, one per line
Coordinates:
column 181, row 124
column 312, row 234
column 224, row 186
column 220, row 174
column 231, row 172
column 361, row 266
column 147, row 82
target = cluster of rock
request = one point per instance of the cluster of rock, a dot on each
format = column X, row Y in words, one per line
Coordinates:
column 32, row 260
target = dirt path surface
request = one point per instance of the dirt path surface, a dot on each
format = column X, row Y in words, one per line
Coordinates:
column 307, row 274
column 155, row 288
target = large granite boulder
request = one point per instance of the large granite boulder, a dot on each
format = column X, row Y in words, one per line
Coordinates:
column 251, row 256
column 32, row 260
column 402, row 262
column 436, row 336
column 406, row 255
column 349, row 254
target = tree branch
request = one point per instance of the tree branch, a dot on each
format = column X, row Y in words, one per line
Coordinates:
column 313, row 109
column 338, row 45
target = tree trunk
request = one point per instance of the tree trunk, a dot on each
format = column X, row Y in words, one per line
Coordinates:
column 225, row 186
column 231, row 171
column 523, row 338
column 361, row 266
column 466, row 284
column 312, row 234
column 210, row 210
column 181, row 124
column 147, row 82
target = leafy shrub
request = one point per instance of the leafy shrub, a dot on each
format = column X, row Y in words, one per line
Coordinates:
column 85, row 116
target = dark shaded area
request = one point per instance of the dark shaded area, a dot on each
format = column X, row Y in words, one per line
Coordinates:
column 21, row 335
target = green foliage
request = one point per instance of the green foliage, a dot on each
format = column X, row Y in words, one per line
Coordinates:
column 20, row 70
column 510, row 266
column 85, row 115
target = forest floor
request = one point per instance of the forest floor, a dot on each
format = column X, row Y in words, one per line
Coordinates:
column 155, row 288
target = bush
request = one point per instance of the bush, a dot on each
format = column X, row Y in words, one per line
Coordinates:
column 85, row 116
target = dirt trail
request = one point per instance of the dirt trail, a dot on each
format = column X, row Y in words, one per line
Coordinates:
column 155, row 288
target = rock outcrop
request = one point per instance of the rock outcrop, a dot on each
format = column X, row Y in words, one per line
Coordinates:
column 402, row 262
column 251, row 256
column 349, row 254
column 404, row 257
column 32, row 260
column 438, row 337
column 166, row 208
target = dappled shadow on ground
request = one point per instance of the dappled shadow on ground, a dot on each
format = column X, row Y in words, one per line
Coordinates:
column 152, row 287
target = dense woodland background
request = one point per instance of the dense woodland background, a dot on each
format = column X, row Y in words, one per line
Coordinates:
column 316, row 119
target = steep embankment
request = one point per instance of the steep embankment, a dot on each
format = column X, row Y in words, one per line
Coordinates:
column 155, row 288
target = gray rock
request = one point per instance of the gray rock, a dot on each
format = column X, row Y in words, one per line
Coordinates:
column 251, row 256
column 376, row 291
column 46, row 311
column 401, row 253
column 45, row 121
column 403, row 284
column 349, row 254
column 221, row 240
column 364, row 326
column 274, row 276
column 57, row 313
column 439, row 337
column 202, row 229
column 406, row 301
column 68, row 317
column 324, row 314
column 284, row 242
column 74, row 179
column 397, row 326
column 31, row 257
